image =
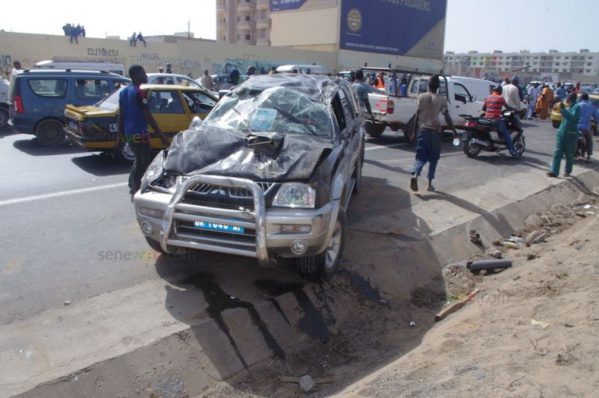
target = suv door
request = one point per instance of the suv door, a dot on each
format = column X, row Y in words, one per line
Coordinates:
column 168, row 110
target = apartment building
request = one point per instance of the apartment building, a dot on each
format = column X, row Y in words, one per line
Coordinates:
column 243, row 22
column 583, row 62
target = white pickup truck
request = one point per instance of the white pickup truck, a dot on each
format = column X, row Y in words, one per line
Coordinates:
column 397, row 112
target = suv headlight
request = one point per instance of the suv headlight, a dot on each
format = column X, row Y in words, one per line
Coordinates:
column 153, row 172
column 295, row 195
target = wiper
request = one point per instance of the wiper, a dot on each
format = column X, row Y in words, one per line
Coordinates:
column 295, row 119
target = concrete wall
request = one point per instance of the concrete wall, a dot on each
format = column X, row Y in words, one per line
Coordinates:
column 305, row 28
column 186, row 56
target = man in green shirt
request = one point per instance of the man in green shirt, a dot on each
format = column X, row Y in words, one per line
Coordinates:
column 567, row 137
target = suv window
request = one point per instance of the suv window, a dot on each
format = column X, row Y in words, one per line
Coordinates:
column 52, row 88
column 461, row 93
column 91, row 89
column 198, row 102
column 346, row 105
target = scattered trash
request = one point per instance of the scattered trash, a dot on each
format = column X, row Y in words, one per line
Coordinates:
column 306, row 383
column 475, row 237
column 455, row 306
column 496, row 254
column 516, row 239
column 532, row 236
column 531, row 256
column 510, row 245
column 589, row 213
column 542, row 325
column 476, row 266
column 589, row 207
column 480, row 377
column 68, row 302
column 568, row 325
column 412, row 324
column 539, row 238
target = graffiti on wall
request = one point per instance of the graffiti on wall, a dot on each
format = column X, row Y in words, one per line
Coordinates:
column 184, row 66
column 102, row 52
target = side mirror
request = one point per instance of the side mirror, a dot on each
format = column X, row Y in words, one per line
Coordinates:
column 473, row 98
column 195, row 124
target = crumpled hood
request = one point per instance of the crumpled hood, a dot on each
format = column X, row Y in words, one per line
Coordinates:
column 215, row 151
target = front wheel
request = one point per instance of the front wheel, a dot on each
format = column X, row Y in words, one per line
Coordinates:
column 520, row 146
column 50, row 132
column 471, row 149
column 323, row 266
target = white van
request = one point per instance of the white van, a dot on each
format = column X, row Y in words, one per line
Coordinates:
column 479, row 88
column 313, row 69
column 75, row 65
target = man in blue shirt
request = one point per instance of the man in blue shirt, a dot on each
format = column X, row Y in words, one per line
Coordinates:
column 587, row 111
column 133, row 125
column 560, row 92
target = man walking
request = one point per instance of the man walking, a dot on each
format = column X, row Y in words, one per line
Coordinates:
column 428, row 143
column 533, row 94
column 362, row 89
column 567, row 137
column 133, row 125
column 207, row 81
column 587, row 111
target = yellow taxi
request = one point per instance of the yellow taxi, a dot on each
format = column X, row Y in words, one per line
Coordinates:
column 556, row 117
column 95, row 127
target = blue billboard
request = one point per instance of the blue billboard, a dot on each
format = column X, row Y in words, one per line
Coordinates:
column 388, row 26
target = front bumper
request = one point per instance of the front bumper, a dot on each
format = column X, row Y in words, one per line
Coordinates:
column 169, row 220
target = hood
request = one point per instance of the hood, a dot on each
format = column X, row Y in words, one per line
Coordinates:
column 257, row 156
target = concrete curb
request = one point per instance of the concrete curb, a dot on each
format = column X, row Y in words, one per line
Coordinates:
column 79, row 348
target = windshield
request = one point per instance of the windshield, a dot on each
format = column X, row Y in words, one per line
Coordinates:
column 110, row 103
column 276, row 109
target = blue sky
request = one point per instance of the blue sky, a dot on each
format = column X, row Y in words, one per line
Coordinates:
column 535, row 25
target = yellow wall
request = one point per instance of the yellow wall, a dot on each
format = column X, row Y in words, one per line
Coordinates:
column 186, row 56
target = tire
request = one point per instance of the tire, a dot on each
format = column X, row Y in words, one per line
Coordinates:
column 394, row 126
column 357, row 175
column 470, row 148
column 50, row 132
column 374, row 129
column 323, row 266
column 410, row 132
column 520, row 146
column 125, row 155
column 555, row 123
column 155, row 245
column 3, row 117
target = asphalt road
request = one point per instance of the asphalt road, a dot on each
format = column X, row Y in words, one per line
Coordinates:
column 69, row 232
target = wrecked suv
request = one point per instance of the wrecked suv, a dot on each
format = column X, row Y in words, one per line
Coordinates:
column 269, row 174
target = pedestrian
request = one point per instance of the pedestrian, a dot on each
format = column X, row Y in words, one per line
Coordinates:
column 362, row 89
column 135, row 116
column 492, row 107
column 73, row 33
column 133, row 40
column 587, row 111
column 140, row 38
column 544, row 102
column 207, row 81
column 82, row 31
column 16, row 69
column 169, row 68
column 233, row 80
column 251, row 70
column 533, row 94
column 560, row 92
column 511, row 93
column 428, row 143
column 567, row 137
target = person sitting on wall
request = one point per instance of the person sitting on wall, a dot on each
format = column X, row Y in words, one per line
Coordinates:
column 140, row 37
column 133, row 40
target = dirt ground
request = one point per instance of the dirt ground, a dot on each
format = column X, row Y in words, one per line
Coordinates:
column 532, row 330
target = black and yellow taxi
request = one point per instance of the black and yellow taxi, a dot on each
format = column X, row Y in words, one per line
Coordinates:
column 95, row 127
column 556, row 116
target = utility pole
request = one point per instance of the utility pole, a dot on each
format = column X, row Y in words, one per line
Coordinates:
column 188, row 30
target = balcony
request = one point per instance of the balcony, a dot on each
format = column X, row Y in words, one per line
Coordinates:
column 263, row 4
column 221, row 5
column 246, row 25
column 263, row 23
column 264, row 41
column 246, row 6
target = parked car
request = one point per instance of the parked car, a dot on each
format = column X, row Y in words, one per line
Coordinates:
column 38, row 98
column 95, row 127
column 171, row 78
column 268, row 175
column 556, row 116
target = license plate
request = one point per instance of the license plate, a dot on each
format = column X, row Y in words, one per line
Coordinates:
column 218, row 227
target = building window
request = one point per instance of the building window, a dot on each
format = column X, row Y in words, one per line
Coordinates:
column 247, row 37
column 248, row 18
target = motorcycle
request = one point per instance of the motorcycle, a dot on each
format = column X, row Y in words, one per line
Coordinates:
column 482, row 135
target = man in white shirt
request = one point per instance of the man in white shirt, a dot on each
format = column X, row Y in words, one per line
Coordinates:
column 511, row 93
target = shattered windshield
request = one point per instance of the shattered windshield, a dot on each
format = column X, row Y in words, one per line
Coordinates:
column 275, row 109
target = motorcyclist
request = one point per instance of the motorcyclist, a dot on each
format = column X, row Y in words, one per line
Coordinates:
column 492, row 107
